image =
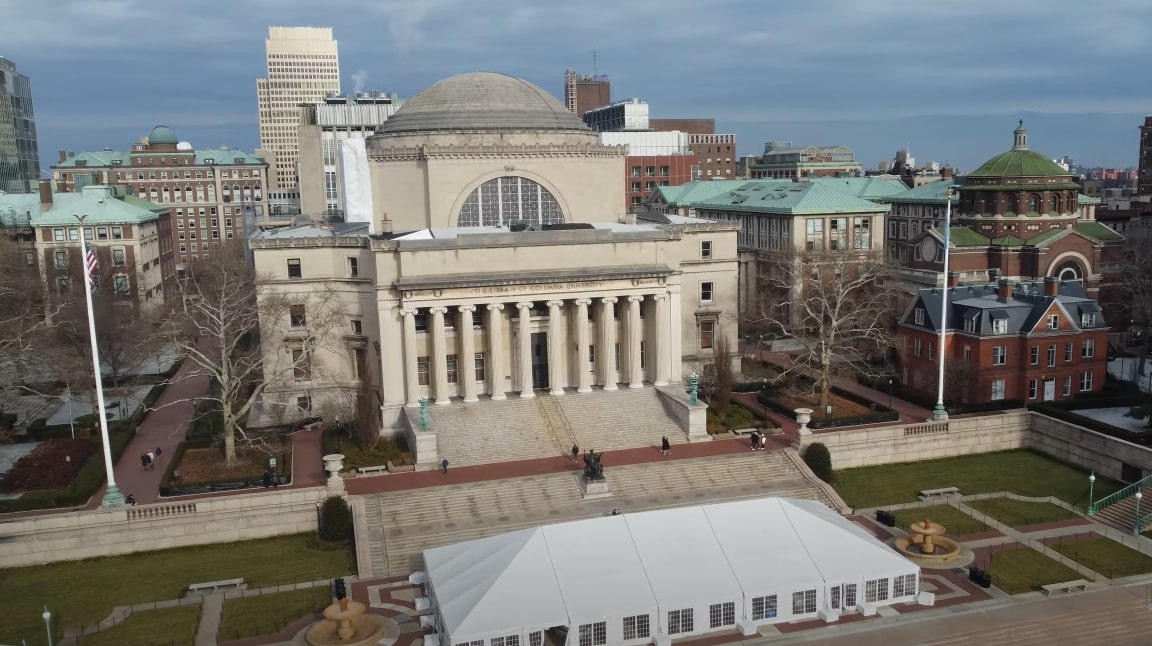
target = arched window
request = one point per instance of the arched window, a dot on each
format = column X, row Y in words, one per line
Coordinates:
column 1054, row 205
column 1069, row 270
column 1033, row 204
column 504, row 200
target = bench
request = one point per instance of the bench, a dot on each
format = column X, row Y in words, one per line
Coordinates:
column 1067, row 586
column 930, row 494
column 213, row 586
column 375, row 469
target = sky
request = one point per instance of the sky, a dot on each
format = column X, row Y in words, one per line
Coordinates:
column 947, row 80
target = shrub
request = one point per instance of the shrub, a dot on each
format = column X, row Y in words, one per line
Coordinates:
column 817, row 457
column 335, row 520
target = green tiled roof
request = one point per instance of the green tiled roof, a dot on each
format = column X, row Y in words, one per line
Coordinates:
column 221, row 157
column 97, row 159
column 1083, row 199
column 869, row 188
column 1020, row 163
column 691, row 193
column 1021, row 187
column 930, row 193
column 791, row 198
column 963, row 237
column 1008, row 241
column 1039, row 239
column 17, row 208
column 101, row 206
column 1095, row 231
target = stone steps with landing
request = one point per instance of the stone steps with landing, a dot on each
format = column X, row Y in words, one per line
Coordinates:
column 625, row 418
column 1122, row 515
column 487, row 431
column 557, row 423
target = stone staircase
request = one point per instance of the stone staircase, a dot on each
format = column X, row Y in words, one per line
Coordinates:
column 402, row 524
column 1122, row 515
column 557, row 422
column 622, row 419
column 486, row 431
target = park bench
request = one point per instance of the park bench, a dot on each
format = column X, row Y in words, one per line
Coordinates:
column 213, row 586
column 931, row 494
column 1067, row 586
column 376, row 469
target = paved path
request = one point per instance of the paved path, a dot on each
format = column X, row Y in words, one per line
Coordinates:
column 307, row 458
column 210, row 619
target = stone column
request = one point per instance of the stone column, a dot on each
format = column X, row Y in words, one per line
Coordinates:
column 495, row 357
column 662, row 334
column 466, row 360
column 555, row 348
column 411, row 379
column 608, row 343
column 440, row 356
column 583, row 377
column 675, row 335
column 525, row 331
column 635, row 338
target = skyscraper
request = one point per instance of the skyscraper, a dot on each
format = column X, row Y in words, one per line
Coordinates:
column 19, row 157
column 303, row 67
column 583, row 92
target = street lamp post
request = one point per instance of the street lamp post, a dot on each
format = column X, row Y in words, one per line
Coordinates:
column 1091, row 489
column 48, row 624
column 940, row 414
column 889, row 394
column 1136, row 523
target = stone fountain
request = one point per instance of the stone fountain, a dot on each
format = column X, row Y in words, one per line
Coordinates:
column 346, row 624
column 927, row 546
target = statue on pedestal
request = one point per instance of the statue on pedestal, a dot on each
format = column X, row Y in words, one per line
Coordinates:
column 593, row 470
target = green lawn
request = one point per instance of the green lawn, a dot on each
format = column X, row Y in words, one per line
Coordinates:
column 1019, row 513
column 84, row 592
column 1022, row 472
column 1025, row 570
column 268, row 614
column 1106, row 556
column 175, row 626
column 956, row 522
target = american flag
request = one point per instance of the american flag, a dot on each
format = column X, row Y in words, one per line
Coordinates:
column 93, row 266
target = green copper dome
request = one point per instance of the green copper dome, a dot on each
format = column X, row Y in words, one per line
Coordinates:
column 162, row 135
column 1019, row 162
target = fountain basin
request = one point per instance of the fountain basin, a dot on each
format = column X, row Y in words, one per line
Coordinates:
column 348, row 625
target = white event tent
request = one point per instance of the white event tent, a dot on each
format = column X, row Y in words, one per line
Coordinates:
column 658, row 575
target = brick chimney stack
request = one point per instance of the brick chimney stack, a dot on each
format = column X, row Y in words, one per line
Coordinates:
column 45, row 194
column 1051, row 286
column 953, row 278
column 1003, row 291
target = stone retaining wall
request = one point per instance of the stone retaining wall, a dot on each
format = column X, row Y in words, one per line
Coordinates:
column 1104, row 454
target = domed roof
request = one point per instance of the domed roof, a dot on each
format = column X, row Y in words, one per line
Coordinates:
column 482, row 101
column 1020, row 162
column 162, row 135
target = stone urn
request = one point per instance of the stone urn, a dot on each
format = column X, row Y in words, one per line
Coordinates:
column 333, row 464
column 803, row 416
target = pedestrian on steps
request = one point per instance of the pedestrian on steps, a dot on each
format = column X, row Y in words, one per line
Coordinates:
column 665, row 446
column 444, row 466
column 575, row 454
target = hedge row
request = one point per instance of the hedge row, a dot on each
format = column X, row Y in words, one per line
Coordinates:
column 882, row 414
column 87, row 481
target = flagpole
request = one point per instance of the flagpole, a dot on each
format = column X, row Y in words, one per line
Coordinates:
column 940, row 414
column 112, row 495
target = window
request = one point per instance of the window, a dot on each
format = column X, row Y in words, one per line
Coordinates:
column 593, row 634
column 706, row 292
column 353, row 267
column 304, row 403
column 970, row 325
column 422, row 371
column 1051, row 356
column 61, row 259
column 118, row 257
column 998, row 389
column 1000, row 326
column 479, row 366
column 421, row 321
column 74, row 235
column 117, row 233
column 87, row 233
column 1088, row 348
column 503, row 200
column 918, row 347
column 814, row 229
column 1035, row 356
column 359, row 363
column 535, row 638
column 509, row 640
column 357, row 327
column 705, row 249
column 932, row 351
column 301, row 365
column 58, row 235
column 29, row 257
column 1068, row 386
column 680, row 621
column 296, row 315
column 1068, row 353
column 763, row 607
column 294, row 268
column 1088, row 319
column 875, row 590
column 849, row 595
column 707, row 332
column 1031, row 389
column 967, row 353
column 452, row 369
column 635, row 171
column 722, row 614
column 1053, row 321
column 999, row 355
column 637, row 627
column 1086, row 380
column 804, row 602
column 102, row 232
column 904, row 585
column 650, row 171
column 918, row 316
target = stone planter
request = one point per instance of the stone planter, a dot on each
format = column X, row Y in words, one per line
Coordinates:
column 400, row 468
column 803, row 416
column 334, row 463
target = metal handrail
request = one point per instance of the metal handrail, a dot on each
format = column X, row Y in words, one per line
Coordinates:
column 1112, row 499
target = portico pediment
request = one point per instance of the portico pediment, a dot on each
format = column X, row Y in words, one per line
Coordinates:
column 495, row 284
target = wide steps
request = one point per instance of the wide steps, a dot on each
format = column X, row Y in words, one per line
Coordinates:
column 625, row 418
column 1122, row 515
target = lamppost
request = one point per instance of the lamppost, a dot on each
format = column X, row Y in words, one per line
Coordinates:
column 1136, row 523
column 1091, row 488
column 48, row 624
column 940, row 414
column 889, row 393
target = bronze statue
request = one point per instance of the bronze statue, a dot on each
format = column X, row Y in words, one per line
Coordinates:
column 593, row 470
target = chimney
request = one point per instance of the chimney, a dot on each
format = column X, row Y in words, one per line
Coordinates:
column 947, row 172
column 630, row 218
column 45, row 194
column 1051, row 286
column 385, row 224
column 63, row 155
column 953, row 278
column 1003, row 291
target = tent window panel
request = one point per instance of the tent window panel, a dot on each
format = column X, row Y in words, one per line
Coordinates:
column 764, row 607
column 479, row 642
column 594, row 634
column 510, row 640
column 875, row 590
column 722, row 614
column 804, row 602
column 904, row 585
column 849, row 595
column 637, row 627
column 536, row 638
column 680, row 621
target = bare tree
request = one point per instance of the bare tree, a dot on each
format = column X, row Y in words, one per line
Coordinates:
column 1134, row 268
column 367, row 420
column 722, row 379
column 959, row 377
column 218, row 327
column 25, row 312
column 834, row 307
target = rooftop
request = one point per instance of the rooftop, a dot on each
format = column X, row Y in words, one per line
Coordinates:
column 222, row 156
column 791, row 198
column 98, row 205
column 1023, row 309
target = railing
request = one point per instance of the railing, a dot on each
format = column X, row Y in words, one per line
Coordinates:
column 926, row 429
column 161, row 511
column 1108, row 501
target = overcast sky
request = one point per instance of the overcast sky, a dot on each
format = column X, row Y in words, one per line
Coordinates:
column 947, row 79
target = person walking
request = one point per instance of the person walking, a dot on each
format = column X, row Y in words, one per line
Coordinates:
column 143, row 461
column 151, row 459
column 267, row 477
column 444, row 466
column 158, row 453
column 665, row 446
column 575, row 454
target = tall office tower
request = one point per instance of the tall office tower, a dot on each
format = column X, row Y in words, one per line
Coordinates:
column 303, row 67
column 583, row 93
column 1144, row 178
column 19, row 157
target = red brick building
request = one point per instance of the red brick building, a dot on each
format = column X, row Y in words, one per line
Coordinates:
column 644, row 173
column 1027, row 342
